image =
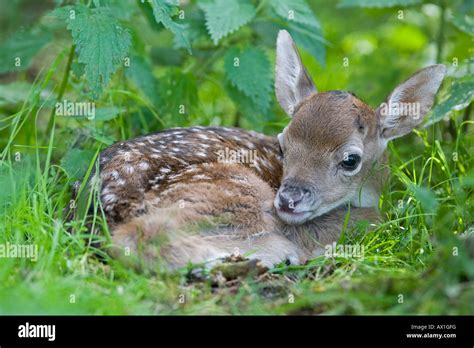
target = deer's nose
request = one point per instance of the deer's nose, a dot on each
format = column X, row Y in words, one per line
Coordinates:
column 290, row 196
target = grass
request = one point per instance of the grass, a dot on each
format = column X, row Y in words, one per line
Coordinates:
column 416, row 261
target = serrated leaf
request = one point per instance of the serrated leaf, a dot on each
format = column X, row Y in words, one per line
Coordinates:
column 163, row 11
column 251, row 73
column 296, row 11
column 77, row 69
column 310, row 39
column 101, row 43
column 303, row 26
column 226, row 16
column 377, row 3
column 22, row 45
column 460, row 95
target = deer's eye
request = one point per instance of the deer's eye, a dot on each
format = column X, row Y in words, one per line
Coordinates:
column 351, row 162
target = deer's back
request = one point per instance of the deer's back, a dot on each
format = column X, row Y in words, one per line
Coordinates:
column 133, row 171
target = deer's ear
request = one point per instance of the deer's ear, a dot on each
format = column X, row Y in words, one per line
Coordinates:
column 409, row 102
column 292, row 82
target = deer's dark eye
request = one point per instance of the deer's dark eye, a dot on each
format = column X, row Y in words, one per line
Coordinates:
column 351, row 162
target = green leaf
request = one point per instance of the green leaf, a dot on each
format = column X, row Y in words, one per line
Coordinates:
column 251, row 73
column 464, row 23
column 377, row 3
column 14, row 179
column 226, row 16
column 256, row 117
column 140, row 73
column 310, row 39
column 100, row 136
column 163, row 11
column 296, row 11
column 460, row 95
column 76, row 161
column 101, row 43
column 178, row 94
column 303, row 26
column 14, row 93
column 106, row 113
column 122, row 10
column 77, row 69
column 17, row 51
column 426, row 197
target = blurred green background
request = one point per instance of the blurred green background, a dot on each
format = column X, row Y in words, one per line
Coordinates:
column 151, row 65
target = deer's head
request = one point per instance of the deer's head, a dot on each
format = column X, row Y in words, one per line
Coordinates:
column 334, row 139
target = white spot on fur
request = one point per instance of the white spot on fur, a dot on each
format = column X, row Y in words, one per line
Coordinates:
column 126, row 156
column 175, row 176
column 109, row 198
column 201, row 177
column 203, row 136
column 143, row 165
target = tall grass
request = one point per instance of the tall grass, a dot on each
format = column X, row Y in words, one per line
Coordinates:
column 416, row 260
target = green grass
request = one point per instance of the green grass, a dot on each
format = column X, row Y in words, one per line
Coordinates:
column 416, row 261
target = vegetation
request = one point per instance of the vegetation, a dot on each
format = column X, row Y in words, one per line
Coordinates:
column 151, row 65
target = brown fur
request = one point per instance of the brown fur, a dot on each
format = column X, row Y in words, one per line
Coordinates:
column 230, row 211
column 168, row 195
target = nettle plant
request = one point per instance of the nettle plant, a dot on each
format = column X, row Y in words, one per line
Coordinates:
column 119, row 38
column 155, row 64
column 111, row 35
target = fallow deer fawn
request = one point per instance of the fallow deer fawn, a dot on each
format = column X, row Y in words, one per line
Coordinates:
column 169, row 196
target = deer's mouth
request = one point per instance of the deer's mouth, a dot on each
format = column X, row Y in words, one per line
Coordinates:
column 293, row 217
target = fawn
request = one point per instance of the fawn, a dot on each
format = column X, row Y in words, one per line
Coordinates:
column 169, row 196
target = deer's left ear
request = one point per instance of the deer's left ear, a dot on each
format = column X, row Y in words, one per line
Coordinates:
column 409, row 102
column 292, row 82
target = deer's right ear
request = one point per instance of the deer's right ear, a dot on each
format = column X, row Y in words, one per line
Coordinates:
column 292, row 82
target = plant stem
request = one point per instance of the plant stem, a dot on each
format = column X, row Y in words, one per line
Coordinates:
column 62, row 88
column 439, row 57
column 52, row 117
column 440, row 38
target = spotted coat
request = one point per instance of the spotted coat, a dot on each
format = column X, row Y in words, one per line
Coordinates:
column 132, row 171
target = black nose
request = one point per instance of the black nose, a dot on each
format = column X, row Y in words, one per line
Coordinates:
column 290, row 196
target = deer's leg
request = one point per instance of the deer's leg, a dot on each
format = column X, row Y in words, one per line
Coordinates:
column 174, row 238
column 215, row 211
column 314, row 235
